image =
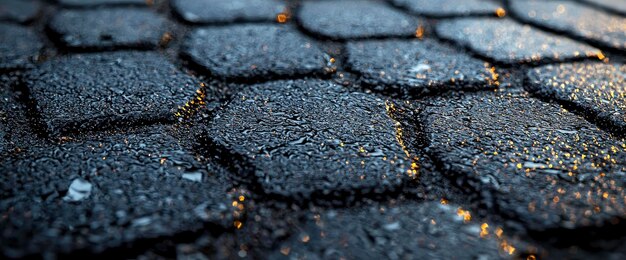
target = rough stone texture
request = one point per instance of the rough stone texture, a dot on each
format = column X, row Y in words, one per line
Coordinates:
column 572, row 18
column 449, row 8
column 355, row 19
column 597, row 90
column 93, row 91
column 104, row 192
column 508, row 42
column 8, row 106
column 19, row 47
column 108, row 28
column 609, row 5
column 217, row 11
column 311, row 139
column 253, row 51
column 92, row 3
column 382, row 231
column 531, row 161
column 413, row 67
column 20, row 11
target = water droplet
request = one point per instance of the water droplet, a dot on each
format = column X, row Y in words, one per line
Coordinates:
column 79, row 190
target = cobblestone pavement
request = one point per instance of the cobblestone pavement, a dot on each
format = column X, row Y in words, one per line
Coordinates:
column 313, row 129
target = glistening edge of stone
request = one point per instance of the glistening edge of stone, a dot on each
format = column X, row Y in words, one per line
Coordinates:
column 416, row 67
column 575, row 19
column 596, row 90
column 93, row 91
column 609, row 5
column 105, row 192
column 254, row 51
column 449, row 8
column 508, row 42
column 532, row 161
column 310, row 140
column 218, row 11
column 94, row 3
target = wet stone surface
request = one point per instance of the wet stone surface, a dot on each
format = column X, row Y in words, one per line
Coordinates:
column 93, row 91
column 413, row 67
column 381, row 231
column 508, row 42
column 19, row 47
column 217, row 11
column 594, row 89
column 311, row 140
column 105, row 29
column 253, row 51
column 355, row 19
column 572, row 18
column 92, row 3
column 449, row 8
column 531, row 161
column 20, row 11
column 106, row 191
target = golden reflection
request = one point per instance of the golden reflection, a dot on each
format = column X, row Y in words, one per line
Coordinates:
column 500, row 12
column 419, row 32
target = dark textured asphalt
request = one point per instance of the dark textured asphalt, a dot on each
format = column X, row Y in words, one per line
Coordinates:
column 312, row 129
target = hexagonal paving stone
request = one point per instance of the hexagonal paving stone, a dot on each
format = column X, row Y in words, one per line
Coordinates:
column 20, row 11
column 217, row 11
column 575, row 19
column 597, row 90
column 91, row 3
column 253, row 51
column 609, row 5
column 413, row 67
column 105, row 192
column 449, row 8
column 108, row 28
column 531, row 161
column 93, row 91
column 392, row 231
column 355, row 19
column 19, row 47
column 506, row 41
column 310, row 140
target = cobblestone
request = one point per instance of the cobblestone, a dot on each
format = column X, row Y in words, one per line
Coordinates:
column 370, row 232
column 20, row 11
column 311, row 139
column 506, row 41
column 505, row 146
column 216, row 11
column 595, row 89
column 92, row 91
column 105, row 192
column 346, row 19
column 572, row 18
column 254, row 51
column 413, row 67
column 108, row 28
column 19, row 47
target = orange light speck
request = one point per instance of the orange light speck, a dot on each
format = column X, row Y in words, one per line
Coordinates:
column 281, row 18
column 500, row 12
